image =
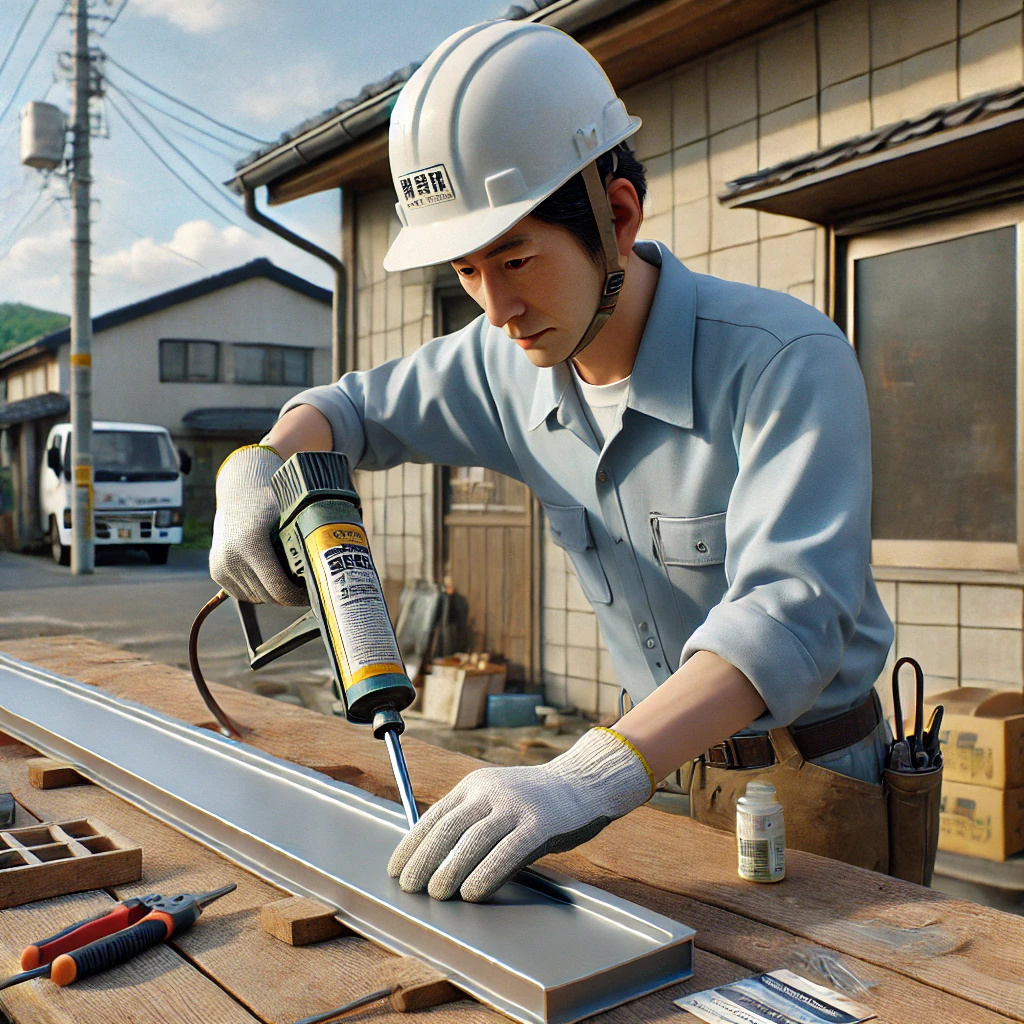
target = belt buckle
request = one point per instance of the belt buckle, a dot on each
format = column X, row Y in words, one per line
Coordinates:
column 729, row 752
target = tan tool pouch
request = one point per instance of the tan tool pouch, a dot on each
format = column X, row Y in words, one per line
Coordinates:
column 914, row 799
column 825, row 812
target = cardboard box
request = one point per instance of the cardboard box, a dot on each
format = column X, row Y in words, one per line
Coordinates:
column 982, row 736
column 457, row 694
column 980, row 821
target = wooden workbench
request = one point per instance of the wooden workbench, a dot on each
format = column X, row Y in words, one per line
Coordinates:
column 227, row 969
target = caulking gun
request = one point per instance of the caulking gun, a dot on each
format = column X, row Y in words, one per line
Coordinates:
column 323, row 546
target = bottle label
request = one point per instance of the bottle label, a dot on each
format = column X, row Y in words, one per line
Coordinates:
column 761, row 845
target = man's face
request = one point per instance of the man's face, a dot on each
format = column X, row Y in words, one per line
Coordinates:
column 538, row 284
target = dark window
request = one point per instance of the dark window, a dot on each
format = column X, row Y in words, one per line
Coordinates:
column 186, row 361
column 273, row 364
column 936, row 333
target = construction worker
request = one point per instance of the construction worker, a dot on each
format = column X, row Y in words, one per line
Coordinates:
column 700, row 447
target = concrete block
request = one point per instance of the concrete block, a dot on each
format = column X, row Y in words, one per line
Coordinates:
column 738, row 263
column 415, row 561
column 992, row 607
column 574, row 598
column 787, row 65
column 412, row 479
column 581, row 629
column 733, row 154
column 378, row 349
column 992, row 57
column 691, row 228
column 699, row 264
column 660, row 228
column 581, row 662
column 582, row 693
column 992, row 654
column 901, row 28
column 414, row 303
column 554, row 689
column 788, row 133
column 732, row 88
column 393, row 301
column 845, row 110
column 378, row 308
column 803, row 292
column 393, row 343
column 844, row 41
column 914, row 86
column 974, row 14
column 887, row 592
column 932, row 604
column 652, row 103
column 553, row 658
column 554, row 589
column 787, row 261
column 412, row 337
column 689, row 104
column 413, row 509
column 659, row 185
column 553, row 626
column 605, row 668
column 690, row 173
column 935, row 648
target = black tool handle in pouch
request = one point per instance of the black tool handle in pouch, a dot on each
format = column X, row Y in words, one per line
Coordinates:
column 914, row 800
column 109, row 952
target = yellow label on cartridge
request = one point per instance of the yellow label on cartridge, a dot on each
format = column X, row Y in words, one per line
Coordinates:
column 353, row 601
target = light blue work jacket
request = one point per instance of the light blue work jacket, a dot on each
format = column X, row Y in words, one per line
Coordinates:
column 728, row 510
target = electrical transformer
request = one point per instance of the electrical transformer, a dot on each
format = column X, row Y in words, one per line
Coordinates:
column 42, row 135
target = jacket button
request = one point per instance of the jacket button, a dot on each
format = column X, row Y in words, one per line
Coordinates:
column 602, row 476
column 650, row 642
column 702, row 547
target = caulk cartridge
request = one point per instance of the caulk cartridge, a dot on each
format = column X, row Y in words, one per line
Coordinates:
column 325, row 547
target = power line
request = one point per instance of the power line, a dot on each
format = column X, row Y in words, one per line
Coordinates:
column 174, row 117
column 12, row 235
column 113, row 20
column 149, row 146
column 17, row 35
column 202, row 174
column 187, row 106
column 35, row 57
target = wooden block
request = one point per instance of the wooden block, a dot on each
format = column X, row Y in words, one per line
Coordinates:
column 417, row 986
column 423, row 995
column 300, row 921
column 60, row 857
column 45, row 773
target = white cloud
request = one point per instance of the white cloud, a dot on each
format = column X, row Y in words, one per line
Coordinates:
column 37, row 269
column 197, row 16
column 286, row 96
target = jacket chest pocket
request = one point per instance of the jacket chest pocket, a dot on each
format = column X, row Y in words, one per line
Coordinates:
column 570, row 530
column 688, row 542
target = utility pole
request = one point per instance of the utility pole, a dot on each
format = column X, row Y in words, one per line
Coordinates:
column 83, row 551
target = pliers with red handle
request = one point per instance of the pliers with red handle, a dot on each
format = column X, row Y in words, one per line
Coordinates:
column 113, row 937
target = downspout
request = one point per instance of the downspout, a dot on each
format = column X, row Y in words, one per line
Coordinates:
column 340, row 278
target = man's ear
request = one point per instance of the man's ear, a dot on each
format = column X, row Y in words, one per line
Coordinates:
column 628, row 213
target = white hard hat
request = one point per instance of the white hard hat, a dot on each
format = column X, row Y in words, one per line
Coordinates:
column 497, row 118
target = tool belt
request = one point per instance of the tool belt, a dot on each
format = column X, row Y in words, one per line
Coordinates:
column 812, row 741
column 891, row 827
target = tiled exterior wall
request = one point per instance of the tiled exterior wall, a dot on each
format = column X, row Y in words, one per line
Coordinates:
column 841, row 70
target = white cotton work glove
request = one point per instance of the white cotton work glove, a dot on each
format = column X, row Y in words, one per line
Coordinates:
column 498, row 820
column 242, row 559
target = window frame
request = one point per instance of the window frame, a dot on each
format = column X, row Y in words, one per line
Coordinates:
column 267, row 347
column 936, row 554
column 187, row 378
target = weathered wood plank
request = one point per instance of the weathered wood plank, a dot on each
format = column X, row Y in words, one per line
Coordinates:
column 672, row 864
column 45, row 773
column 155, row 987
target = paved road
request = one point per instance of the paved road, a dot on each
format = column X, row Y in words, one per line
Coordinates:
column 148, row 609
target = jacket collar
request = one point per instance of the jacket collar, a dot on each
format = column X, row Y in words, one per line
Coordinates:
column 661, row 384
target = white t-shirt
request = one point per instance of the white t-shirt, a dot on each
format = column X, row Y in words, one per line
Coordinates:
column 601, row 402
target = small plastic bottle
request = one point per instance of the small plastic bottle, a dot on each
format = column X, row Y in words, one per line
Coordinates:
column 760, row 834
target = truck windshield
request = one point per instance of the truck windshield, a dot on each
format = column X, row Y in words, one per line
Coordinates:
column 129, row 455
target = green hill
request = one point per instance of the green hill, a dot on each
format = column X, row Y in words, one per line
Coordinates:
column 19, row 323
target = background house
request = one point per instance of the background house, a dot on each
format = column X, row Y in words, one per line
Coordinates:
column 212, row 361
column 862, row 155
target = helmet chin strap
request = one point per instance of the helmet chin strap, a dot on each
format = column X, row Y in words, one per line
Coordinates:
column 613, row 273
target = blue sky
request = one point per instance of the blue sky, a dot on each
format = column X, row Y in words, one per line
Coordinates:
column 261, row 66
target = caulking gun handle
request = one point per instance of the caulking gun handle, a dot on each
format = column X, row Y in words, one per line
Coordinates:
column 81, row 933
column 112, row 950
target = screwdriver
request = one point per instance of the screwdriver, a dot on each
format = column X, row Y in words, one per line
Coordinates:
column 113, row 937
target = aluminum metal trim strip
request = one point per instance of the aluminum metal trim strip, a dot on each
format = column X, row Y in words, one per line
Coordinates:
column 587, row 950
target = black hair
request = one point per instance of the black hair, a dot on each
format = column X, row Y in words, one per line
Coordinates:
column 569, row 206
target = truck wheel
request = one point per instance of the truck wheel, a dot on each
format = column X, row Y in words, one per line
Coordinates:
column 61, row 552
column 158, row 553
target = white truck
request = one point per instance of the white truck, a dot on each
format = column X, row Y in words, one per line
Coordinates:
column 137, row 489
